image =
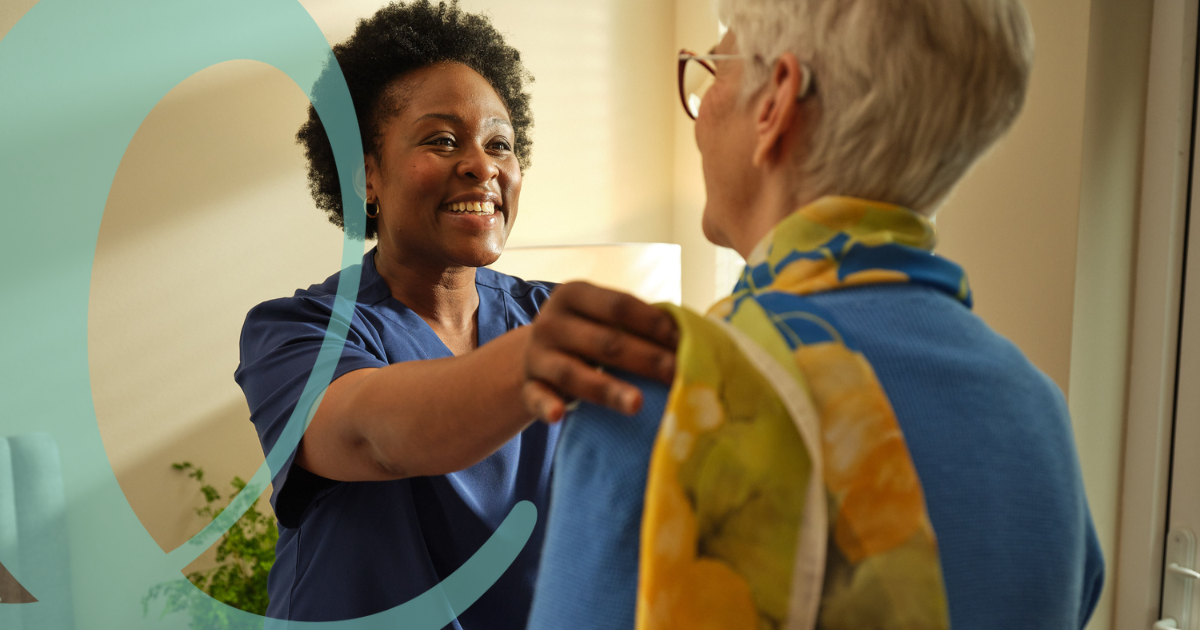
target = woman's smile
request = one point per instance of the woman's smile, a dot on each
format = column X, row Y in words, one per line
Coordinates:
column 486, row 208
column 480, row 210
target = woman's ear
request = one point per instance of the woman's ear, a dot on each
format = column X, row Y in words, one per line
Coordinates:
column 777, row 112
column 372, row 176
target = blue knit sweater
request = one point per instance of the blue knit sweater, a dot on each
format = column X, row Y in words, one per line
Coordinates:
column 989, row 435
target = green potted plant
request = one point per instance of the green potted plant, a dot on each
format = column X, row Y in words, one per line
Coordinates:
column 245, row 555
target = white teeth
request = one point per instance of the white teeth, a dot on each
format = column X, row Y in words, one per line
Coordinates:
column 473, row 207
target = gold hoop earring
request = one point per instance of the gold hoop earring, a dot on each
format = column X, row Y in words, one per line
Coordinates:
column 367, row 209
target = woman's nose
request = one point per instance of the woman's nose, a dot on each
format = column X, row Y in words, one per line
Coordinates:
column 477, row 164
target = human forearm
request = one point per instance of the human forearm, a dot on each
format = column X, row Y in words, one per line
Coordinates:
column 456, row 411
column 438, row 416
column 420, row 418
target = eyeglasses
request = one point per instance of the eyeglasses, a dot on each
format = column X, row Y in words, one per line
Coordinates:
column 696, row 75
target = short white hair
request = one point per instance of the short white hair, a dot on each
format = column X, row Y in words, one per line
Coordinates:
column 911, row 92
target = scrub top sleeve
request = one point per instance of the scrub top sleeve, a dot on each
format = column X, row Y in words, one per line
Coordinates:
column 280, row 342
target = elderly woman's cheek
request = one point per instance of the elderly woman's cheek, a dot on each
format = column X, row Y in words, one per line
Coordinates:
column 708, row 129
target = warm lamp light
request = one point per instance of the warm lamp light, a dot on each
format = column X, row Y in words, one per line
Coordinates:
column 651, row 271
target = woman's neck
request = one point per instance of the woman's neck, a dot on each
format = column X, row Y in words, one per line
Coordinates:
column 446, row 298
column 777, row 199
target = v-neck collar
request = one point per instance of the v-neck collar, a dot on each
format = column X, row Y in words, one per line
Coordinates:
column 491, row 317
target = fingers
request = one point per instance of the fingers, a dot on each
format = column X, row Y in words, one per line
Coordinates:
column 617, row 310
column 542, row 403
column 582, row 325
column 592, row 342
column 550, row 375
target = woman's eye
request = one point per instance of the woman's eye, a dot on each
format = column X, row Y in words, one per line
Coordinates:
column 444, row 141
column 501, row 145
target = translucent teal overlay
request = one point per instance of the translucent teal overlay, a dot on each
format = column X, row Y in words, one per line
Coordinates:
column 77, row 77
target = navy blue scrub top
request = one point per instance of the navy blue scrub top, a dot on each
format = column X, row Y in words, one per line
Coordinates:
column 351, row 549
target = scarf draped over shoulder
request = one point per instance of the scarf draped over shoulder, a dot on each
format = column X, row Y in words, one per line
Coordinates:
column 781, row 494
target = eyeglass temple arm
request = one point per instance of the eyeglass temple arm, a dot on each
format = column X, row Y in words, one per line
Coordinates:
column 687, row 55
column 805, row 81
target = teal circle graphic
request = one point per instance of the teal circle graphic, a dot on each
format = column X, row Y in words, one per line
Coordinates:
column 77, row 77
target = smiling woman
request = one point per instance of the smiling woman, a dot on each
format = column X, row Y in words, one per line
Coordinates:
column 426, row 438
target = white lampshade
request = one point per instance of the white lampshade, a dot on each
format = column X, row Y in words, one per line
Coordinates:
column 650, row 271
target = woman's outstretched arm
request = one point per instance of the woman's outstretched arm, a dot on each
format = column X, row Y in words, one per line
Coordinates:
column 437, row 416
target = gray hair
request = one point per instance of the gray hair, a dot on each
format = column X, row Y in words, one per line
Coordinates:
column 911, row 92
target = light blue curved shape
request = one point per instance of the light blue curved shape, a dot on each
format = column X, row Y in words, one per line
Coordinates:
column 77, row 77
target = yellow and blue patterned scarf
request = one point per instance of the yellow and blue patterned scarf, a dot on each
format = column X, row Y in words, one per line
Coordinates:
column 781, row 494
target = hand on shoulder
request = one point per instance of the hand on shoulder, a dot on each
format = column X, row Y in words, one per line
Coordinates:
column 582, row 326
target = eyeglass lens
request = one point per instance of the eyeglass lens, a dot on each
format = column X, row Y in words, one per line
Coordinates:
column 697, row 78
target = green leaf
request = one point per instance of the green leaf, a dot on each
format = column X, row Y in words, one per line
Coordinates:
column 245, row 555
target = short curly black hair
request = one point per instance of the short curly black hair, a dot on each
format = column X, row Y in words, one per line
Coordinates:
column 399, row 39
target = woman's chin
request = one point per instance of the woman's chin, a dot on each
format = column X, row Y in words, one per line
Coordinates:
column 478, row 256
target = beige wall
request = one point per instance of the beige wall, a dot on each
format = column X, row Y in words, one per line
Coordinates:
column 209, row 215
column 1044, row 226
column 1012, row 222
column 1114, row 125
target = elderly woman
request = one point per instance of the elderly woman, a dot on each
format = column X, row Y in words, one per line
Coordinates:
column 425, row 439
column 844, row 444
